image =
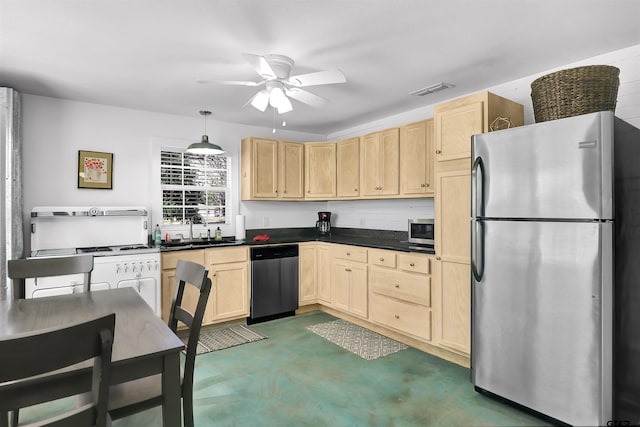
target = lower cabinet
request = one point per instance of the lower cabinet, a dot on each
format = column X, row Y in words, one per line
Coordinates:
column 349, row 280
column 307, row 273
column 400, row 292
column 454, row 314
column 229, row 274
column 324, row 273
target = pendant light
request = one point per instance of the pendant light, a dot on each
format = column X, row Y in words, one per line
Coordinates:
column 204, row 146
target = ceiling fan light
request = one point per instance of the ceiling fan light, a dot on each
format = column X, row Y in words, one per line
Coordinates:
column 285, row 106
column 277, row 98
column 261, row 100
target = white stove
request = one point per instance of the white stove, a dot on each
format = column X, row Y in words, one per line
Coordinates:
column 117, row 238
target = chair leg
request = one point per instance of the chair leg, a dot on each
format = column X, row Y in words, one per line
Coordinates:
column 14, row 417
column 187, row 409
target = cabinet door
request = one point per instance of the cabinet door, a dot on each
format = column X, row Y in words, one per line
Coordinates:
column 348, row 167
column 291, row 164
column 341, row 284
column 264, row 168
column 416, row 158
column 308, row 292
column 320, row 171
column 324, row 274
column 454, row 129
column 389, row 162
column 189, row 299
column 454, row 308
column 358, row 295
column 369, row 156
column 230, row 293
column 453, row 210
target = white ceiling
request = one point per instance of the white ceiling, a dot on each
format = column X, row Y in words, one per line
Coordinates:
column 150, row 54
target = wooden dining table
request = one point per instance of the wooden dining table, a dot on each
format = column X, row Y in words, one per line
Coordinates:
column 143, row 344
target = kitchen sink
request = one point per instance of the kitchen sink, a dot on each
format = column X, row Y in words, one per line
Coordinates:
column 198, row 243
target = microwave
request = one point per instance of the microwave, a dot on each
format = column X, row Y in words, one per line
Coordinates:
column 422, row 231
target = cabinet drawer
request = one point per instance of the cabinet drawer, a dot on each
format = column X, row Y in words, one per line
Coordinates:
column 414, row 263
column 352, row 253
column 225, row 255
column 170, row 259
column 382, row 258
column 405, row 286
column 403, row 316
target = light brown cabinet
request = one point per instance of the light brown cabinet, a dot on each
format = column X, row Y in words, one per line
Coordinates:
column 416, row 158
column 320, row 170
column 349, row 280
column 229, row 274
column 271, row 169
column 400, row 292
column 379, row 163
column 455, row 122
column 308, row 273
column 348, row 168
column 324, row 273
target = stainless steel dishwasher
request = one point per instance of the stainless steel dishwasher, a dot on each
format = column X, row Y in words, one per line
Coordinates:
column 274, row 282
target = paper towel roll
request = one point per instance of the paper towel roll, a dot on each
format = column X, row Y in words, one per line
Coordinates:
column 240, row 230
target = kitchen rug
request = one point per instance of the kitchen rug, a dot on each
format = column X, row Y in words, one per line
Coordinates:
column 227, row 337
column 358, row 340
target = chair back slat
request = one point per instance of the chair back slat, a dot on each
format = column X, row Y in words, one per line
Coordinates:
column 20, row 269
column 28, row 361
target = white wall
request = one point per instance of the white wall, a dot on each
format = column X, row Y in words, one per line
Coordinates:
column 54, row 130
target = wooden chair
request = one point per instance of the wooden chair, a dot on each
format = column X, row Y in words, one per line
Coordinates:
column 20, row 269
column 27, row 361
column 139, row 395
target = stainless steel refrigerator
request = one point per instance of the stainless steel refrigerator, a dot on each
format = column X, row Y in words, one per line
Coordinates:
column 555, row 253
column 11, row 233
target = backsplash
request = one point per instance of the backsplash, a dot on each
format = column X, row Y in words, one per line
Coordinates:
column 379, row 214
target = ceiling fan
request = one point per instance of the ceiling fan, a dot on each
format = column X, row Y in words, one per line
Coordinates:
column 280, row 85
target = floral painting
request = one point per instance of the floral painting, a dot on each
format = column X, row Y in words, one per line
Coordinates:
column 95, row 169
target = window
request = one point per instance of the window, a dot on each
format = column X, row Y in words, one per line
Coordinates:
column 193, row 185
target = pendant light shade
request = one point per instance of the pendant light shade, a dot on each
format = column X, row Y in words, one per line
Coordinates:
column 204, row 146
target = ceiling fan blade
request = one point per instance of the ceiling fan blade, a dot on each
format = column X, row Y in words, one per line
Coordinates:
column 241, row 83
column 317, row 78
column 261, row 65
column 306, row 97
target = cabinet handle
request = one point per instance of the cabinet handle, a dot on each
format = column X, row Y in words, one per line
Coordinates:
column 276, row 191
column 397, row 316
column 396, row 285
column 347, row 269
column 308, row 191
column 423, row 185
column 355, row 189
column 285, row 191
column 381, row 259
column 438, row 258
column 427, row 185
column 438, row 152
column 348, row 253
column 412, row 264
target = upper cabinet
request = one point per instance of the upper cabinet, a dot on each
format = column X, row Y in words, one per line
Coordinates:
column 416, row 159
column 379, row 163
column 320, row 170
column 271, row 169
column 456, row 121
column 348, row 168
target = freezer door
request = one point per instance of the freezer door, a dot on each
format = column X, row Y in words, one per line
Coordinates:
column 559, row 169
column 541, row 317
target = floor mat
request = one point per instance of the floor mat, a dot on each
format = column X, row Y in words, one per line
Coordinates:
column 363, row 342
column 228, row 337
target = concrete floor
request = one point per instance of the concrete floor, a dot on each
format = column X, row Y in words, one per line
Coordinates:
column 296, row 378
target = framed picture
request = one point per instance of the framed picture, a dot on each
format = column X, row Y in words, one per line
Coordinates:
column 95, row 169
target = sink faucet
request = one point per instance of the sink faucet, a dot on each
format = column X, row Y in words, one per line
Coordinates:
column 191, row 220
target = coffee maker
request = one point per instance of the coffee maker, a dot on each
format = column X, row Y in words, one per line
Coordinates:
column 324, row 222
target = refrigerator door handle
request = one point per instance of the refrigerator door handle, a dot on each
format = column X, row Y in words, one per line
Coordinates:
column 477, row 250
column 477, row 188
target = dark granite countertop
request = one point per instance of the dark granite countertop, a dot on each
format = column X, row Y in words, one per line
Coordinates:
column 379, row 239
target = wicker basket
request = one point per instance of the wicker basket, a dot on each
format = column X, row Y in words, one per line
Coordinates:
column 575, row 91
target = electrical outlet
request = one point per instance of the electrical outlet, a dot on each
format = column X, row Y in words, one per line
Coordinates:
column 265, row 221
column 363, row 221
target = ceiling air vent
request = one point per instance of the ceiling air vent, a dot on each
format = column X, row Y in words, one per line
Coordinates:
column 430, row 89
